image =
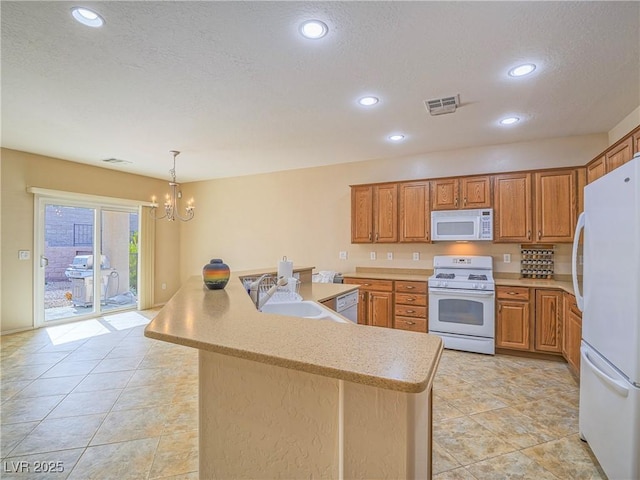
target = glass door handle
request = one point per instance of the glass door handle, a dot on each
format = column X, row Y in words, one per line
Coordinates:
column 44, row 261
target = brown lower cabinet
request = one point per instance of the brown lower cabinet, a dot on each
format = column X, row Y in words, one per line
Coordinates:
column 375, row 303
column 410, row 312
column 572, row 332
column 529, row 319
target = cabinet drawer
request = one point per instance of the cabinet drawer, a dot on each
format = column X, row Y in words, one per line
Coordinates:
column 411, row 287
column 411, row 299
column 371, row 284
column 412, row 324
column 512, row 293
column 411, row 311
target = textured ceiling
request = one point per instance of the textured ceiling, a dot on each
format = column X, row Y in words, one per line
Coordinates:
column 238, row 90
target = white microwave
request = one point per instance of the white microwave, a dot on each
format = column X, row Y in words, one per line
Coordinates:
column 462, row 225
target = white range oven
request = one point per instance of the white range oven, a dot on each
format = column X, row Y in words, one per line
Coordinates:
column 462, row 303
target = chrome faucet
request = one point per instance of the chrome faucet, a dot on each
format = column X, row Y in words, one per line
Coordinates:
column 254, row 290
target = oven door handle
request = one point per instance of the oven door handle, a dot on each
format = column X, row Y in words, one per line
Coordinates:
column 453, row 292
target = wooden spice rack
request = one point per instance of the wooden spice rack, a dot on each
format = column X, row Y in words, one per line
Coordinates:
column 537, row 261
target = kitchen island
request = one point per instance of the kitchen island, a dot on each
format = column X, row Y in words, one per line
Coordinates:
column 288, row 397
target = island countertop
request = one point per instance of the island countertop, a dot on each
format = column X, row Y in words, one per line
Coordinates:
column 226, row 321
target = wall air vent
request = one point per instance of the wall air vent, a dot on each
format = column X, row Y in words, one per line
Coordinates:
column 439, row 106
column 115, row 160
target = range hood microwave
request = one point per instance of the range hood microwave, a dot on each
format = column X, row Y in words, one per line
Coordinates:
column 462, row 225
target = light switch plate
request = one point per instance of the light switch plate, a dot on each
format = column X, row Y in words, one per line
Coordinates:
column 342, row 255
column 416, row 255
column 389, row 255
column 506, row 258
column 372, row 255
column 24, row 254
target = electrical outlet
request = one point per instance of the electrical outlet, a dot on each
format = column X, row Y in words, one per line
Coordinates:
column 506, row 258
column 416, row 255
column 389, row 255
column 342, row 255
column 372, row 255
column 24, row 254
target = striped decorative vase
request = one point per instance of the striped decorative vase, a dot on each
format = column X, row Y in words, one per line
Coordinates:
column 216, row 274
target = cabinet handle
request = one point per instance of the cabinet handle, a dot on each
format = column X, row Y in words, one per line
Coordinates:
column 499, row 308
column 409, row 287
column 456, row 204
column 377, row 236
column 370, row 236
column 367, row 284
column 529, row 235
column 511, row 293
column 539, row 234
column 465, row 201
column 410, row 323
column 410, row 299
column 411, row 311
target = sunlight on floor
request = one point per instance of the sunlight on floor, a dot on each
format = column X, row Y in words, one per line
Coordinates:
column 70, row 332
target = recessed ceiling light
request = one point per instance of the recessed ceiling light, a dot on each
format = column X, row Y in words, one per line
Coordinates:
column 522, row 70
column 368, row 101
column 509, row 120
column 313, row 29
column 396, row 138
column 87, row 17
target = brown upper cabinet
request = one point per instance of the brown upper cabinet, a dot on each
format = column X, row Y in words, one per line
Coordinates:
column 465, row 192
column 618, row 154
column 512, row 214
column 415, row 215
column 550, row 218
column 556, row 212
column 374, row 213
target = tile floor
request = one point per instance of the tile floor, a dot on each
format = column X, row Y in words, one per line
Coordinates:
column 102, row 401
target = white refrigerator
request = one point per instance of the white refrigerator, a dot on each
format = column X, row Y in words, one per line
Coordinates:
column 610, row 301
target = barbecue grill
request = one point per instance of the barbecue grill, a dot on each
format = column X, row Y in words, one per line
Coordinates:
column 80, row 272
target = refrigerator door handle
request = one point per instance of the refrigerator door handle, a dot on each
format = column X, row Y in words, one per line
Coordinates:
column 619, row 387
column 574, row 262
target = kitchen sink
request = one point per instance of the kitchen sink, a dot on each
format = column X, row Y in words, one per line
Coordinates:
column 305, row 309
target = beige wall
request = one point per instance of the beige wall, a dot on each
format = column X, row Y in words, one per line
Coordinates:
column 21, row 170
column 627, row 124
column 252, row 221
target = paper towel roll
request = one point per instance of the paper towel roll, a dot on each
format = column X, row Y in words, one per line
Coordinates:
column 285, row 268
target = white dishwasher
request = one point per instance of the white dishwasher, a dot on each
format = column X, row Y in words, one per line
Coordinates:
column 347, row 306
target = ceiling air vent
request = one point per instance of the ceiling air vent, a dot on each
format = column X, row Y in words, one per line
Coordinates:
column 439, row 106
column 115, row 160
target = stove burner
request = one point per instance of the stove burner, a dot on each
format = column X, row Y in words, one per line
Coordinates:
column 477, row 277
column 446, row 276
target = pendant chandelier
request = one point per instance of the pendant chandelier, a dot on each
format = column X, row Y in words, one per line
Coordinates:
column 171, row 199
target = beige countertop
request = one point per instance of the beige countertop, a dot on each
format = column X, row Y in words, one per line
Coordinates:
column 226, row 321
column 423, row 275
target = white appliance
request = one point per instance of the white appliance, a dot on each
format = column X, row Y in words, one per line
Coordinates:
column 347, row 306
column 462, row 302
column 462, row 225
column 610, row 349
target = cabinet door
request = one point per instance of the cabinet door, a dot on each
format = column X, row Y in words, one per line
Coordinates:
column 363, row 303
column 513, row 325
column 385, row 213
column 571, row 333
column 444, row 194
column 596, row 169
column 362, row 214
column 512, row 208
column 620, row 154
column 548, row 325
column 636, row 141
column 476, row 192
column 380, row 309
column 415, row 216
column 555, row 215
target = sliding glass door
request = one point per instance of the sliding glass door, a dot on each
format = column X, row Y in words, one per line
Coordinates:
column 87, row 260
